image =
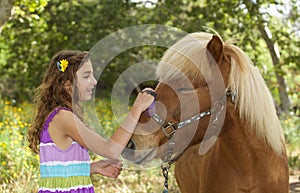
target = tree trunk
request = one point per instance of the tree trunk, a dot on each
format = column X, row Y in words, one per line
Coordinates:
column 5, row 11
column 253, row 8
column 284, row 98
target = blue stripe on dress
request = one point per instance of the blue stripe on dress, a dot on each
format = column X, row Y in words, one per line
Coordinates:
column 78, row 169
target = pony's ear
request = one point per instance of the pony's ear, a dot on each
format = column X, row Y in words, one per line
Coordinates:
column 215, row 47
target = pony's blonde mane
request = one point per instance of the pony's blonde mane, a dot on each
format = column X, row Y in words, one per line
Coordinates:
column 254, row 101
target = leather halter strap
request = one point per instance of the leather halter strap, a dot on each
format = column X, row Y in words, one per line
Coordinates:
column 169, row 129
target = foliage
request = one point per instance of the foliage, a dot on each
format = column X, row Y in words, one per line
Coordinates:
column 23, row 49
column 291, row 127
column 104, row 122
column 39, row 29
column 18, row 163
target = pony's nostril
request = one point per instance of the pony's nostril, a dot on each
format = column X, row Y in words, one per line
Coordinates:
column 131, row 145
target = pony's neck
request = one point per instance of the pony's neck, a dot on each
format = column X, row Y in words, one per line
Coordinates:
column 238, row 140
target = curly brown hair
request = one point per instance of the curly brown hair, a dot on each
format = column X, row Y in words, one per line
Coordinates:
column 53, row 93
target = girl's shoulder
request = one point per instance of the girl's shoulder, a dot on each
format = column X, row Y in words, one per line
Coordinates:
column 62, row 112
column 58, row 109
column 53, row 114
column 61, row 125
column 67, row 127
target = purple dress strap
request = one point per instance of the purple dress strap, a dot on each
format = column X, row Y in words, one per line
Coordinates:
column 45, row 136
column 52, row 114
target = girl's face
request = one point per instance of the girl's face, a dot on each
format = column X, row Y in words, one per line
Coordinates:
column 86, row 81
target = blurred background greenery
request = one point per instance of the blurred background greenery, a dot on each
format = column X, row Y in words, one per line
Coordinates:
column 32, row 31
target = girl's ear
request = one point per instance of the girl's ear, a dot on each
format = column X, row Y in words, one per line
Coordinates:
column 215, row 48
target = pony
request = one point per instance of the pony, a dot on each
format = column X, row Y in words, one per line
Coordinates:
column 215, row 118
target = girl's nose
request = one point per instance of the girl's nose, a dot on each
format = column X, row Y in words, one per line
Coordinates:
column 94, row 81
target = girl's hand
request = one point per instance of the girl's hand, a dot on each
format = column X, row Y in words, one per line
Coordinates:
column 144, row 99
column 108, row 168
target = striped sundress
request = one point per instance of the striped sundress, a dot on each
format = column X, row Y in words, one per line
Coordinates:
column 63, row 171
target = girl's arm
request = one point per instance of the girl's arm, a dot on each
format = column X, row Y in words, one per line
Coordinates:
column 74, row 128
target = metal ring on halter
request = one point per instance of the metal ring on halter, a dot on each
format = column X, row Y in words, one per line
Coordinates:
column 167, row 126
column 216, row 119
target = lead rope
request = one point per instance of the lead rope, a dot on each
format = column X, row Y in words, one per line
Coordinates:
column 165, row 171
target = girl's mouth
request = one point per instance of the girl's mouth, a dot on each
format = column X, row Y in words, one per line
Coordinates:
column 90, row 91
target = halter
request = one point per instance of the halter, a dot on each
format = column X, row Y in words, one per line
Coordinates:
column 169, row 129
column 175, row 126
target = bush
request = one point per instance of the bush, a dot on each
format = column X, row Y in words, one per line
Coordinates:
column 291, row 127
column 18, row 163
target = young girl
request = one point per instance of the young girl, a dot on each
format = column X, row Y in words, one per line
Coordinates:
column 59, row 134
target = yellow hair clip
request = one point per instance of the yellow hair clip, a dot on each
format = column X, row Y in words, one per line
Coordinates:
column 62, row 65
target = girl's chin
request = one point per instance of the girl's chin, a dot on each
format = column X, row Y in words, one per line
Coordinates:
column 85, row 99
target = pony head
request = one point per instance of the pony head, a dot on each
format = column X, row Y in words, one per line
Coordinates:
column 205, row 87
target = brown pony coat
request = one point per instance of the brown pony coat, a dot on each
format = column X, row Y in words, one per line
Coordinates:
column 236, row 163
column 248, row 155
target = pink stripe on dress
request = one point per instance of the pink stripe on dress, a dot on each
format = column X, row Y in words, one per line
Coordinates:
column 50, row 152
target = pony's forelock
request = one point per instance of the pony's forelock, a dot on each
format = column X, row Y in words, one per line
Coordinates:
column 185, row 58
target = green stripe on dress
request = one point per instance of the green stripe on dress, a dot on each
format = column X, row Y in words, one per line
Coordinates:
column 68, row 182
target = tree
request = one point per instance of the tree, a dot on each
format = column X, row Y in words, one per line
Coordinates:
column 38, row 29
column 22, row 48
column 262, row 26
column 248, row 22
column 5, row 11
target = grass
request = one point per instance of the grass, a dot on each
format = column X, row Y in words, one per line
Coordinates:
column 130, row 181
column 20, row 167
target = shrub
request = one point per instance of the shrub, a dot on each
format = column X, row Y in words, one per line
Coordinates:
column 291, row 127
column 18, row 163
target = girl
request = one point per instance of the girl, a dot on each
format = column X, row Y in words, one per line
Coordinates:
column 59, row 134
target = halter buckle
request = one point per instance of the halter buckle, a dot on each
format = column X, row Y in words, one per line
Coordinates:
column 167, row 127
